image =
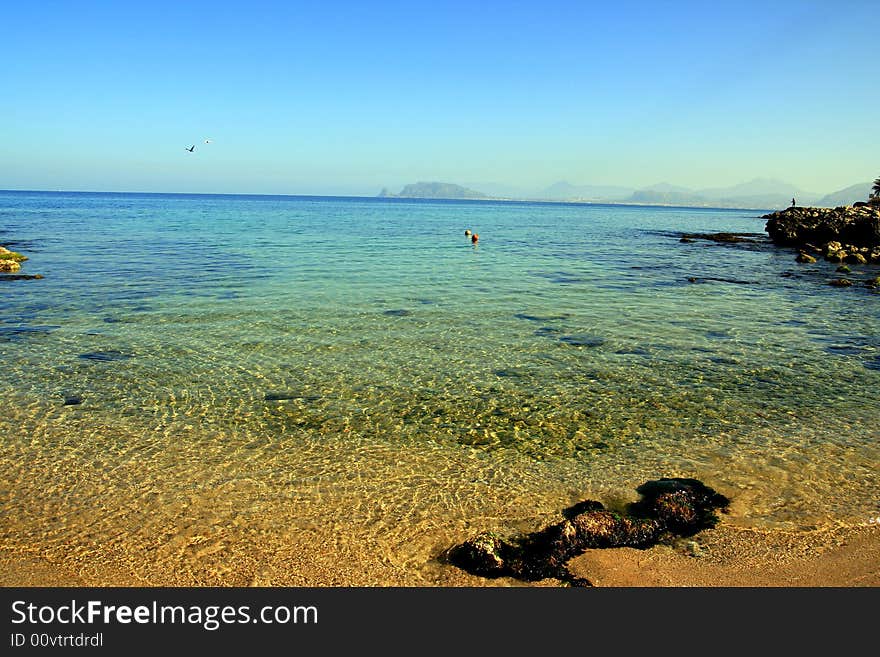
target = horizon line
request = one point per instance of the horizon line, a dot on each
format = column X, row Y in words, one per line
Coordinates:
column 498, row 199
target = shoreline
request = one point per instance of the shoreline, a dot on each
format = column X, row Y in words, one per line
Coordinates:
column 725, row 556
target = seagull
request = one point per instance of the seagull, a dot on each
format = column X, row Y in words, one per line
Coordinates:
column 190, row 149
column 208, row 141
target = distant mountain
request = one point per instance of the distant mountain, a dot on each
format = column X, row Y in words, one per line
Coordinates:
column 758, row 193
column 502, row 190
column 434, row 190
column 754, row 188
column 846, row 196
column 666, row 188
column 564, row 190
column 655, row 197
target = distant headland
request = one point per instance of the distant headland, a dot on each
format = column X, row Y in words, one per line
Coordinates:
column 437, row 190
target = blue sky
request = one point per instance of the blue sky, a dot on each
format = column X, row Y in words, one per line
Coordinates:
column 349, row 97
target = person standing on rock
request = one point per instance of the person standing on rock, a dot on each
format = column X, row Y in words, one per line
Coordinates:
column 792, row 202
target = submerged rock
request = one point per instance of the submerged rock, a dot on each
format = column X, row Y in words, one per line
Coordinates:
column 675, row 506
column 704, row 279
column 284, row 395
column 583, row 340
column 720, row 237
column 105, row 356
column 21, row 277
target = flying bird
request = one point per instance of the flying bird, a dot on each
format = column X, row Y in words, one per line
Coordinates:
column 208, row 141
column 191, row 148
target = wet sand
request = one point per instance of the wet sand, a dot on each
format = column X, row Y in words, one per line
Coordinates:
column 721, row 557
column 726, row 556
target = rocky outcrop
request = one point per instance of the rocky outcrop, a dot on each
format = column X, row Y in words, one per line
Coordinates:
column 10, row 262
column 678, row 507
column 9, row 265
column 850, row 229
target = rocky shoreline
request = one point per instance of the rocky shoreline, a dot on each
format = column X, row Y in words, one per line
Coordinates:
column 850, row 233
column 847, row 235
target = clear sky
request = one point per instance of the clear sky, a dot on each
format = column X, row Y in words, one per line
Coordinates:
column 348, row 97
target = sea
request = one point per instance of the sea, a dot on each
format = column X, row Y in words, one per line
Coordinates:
column 199, row 382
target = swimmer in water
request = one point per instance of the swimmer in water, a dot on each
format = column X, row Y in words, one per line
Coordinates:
column 466, row 232
column 474, row 238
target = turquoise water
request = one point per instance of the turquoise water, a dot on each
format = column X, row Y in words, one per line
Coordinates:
column 333, row 350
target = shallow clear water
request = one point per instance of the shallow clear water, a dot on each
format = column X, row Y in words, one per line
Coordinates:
column 360, row 362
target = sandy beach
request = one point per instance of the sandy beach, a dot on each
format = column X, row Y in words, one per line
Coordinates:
column 725, row 556
column 737, row 557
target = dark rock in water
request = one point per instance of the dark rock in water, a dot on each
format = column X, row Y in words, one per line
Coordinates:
column 668, row 506
column 566, row 280
column 720, row 237
column 704, row 279
column 840, row 282
column 400, row 312
column 537, row 318
column 287, row 396
column 843, row 269
column 547, row 331
column 844, row 349
column 279, row 396
column 22, row 331
column 687, row 240
column 487, row 555
column 634, row 351
column 583, row 340
column 685, row 505
column 21, row 277
column 105, row 356
column 508, row 374
column 581, row 507
column 72, row 400
column 805, row 258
